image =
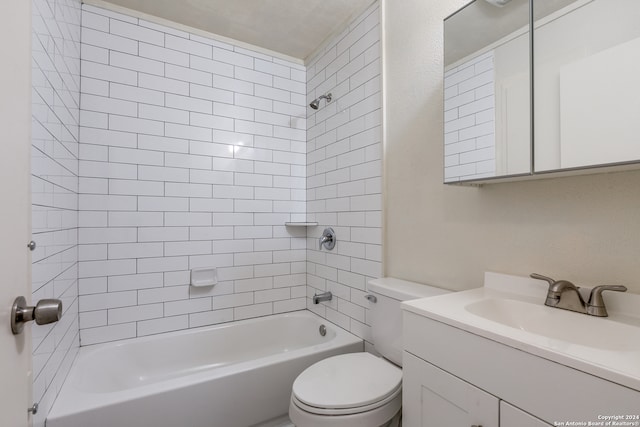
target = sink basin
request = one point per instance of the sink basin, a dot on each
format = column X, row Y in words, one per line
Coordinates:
column 510, row 310
column 562, row 325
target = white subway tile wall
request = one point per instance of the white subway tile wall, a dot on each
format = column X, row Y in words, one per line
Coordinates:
column 54, row 170
column 344, row 156
column 192, row 154
column 469, row 120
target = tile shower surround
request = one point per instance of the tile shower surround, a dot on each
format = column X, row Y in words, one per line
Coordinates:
column 192, row 155
column 54, row 182
column 344, row 172
column 183, row 152
column 159, row 193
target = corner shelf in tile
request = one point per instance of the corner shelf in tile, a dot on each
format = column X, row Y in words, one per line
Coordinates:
column 301, row 224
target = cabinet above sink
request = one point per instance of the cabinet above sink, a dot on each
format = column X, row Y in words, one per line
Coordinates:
column 539, row 88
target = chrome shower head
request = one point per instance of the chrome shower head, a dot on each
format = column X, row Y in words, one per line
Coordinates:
column 316, row 102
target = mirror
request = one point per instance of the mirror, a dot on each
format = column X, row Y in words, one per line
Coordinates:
column 487, row 102
column 586, row 84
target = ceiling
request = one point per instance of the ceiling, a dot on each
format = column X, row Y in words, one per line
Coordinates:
column 295, row 28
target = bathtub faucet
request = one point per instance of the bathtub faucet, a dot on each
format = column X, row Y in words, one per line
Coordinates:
column 325, row 296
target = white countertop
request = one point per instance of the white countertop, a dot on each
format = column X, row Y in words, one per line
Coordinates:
column 605, row 347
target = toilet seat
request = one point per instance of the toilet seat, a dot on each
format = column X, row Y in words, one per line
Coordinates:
column 346, row 411
column 347, row 384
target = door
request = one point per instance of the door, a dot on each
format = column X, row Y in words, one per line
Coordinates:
column 435, row 398
column 15, row 209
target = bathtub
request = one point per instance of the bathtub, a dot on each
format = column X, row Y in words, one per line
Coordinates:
column 235, row 374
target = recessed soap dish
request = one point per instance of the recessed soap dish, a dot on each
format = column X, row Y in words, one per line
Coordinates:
column 201, row 277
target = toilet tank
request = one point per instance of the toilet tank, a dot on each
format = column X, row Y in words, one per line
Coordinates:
column 386, row 314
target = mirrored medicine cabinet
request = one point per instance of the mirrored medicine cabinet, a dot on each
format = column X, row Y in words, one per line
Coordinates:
column 537, row 88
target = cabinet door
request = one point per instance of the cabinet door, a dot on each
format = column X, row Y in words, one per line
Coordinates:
column 510, row 416
column 435, row 398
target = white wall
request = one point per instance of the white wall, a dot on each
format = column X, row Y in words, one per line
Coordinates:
column 584, row 228
column 344, row 171
column 54, row 168
column 192, row 155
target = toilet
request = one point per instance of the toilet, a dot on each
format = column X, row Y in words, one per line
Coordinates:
column 361, row 389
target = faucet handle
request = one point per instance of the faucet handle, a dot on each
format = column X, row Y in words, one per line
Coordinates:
column 328, row 239
column 595, row 299
column 541, row 277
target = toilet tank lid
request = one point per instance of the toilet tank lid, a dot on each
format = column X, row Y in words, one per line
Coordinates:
column 403, row 290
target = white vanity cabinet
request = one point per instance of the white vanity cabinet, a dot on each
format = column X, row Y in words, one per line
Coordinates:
column 435, row 398
column 510, row 416
column 456, row 378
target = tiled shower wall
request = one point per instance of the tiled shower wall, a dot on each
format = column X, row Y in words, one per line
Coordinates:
column 344, row 170
column 192, row 155
column 54, row 169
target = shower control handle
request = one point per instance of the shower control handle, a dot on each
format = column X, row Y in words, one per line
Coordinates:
column 46, row 311
column 328, row 239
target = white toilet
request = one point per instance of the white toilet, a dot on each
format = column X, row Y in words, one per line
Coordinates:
column 360, row 389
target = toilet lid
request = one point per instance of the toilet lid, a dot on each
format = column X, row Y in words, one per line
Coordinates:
column 347, row 381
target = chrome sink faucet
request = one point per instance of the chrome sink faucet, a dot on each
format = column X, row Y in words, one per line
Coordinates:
column 565, row 295
column 562, row 294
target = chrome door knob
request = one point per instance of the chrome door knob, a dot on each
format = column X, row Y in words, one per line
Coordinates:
column 46, row 311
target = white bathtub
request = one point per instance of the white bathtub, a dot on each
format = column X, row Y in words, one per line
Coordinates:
column 236, row 374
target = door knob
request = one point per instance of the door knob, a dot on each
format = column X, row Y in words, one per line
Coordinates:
column 46, row 311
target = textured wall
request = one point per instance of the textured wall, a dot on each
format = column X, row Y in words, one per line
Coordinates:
column 54, row 168
column 582, row 228
column 344, row 156
column 192, row 155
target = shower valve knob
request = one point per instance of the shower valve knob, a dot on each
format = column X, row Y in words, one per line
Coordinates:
column 328, row 239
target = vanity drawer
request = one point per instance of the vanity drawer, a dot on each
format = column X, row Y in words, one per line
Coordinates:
column 549, row 390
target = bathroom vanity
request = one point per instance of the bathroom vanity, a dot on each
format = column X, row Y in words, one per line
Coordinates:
column 496, row 356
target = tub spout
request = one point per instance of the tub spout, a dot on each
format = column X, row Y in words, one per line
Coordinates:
column 325, row 296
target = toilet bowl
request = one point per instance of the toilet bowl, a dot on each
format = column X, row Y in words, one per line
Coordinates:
column 355, row 389
column 360, row 389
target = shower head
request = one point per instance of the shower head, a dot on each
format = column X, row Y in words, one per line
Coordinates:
column 316, row 102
